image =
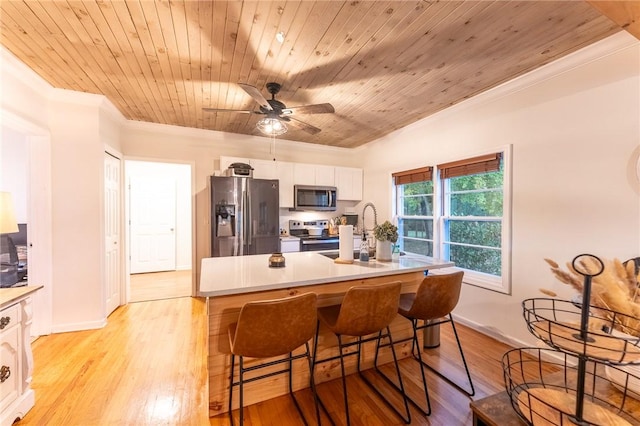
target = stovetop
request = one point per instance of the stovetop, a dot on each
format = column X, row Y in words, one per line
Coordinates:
column 299, row 229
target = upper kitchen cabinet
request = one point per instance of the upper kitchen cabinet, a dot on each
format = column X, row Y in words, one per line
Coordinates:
column 313, row 174
column 348, row 180
column 285, row 175
column 268, row 169
column 264, row 169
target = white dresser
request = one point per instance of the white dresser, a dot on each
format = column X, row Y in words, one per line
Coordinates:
column 16, row 359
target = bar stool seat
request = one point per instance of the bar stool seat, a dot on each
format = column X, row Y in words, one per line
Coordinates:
column 272, row 328
column 433, row 303
column 364, row 311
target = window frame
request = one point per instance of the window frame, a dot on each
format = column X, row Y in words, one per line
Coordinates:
column 397, row 217
column 500, row 284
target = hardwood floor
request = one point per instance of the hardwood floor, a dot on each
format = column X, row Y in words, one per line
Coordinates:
column 148, row 366
column 160, row 285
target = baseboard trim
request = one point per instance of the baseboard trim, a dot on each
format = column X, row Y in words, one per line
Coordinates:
column 81, row 326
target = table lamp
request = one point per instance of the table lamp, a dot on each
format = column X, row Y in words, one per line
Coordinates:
column 8, row 223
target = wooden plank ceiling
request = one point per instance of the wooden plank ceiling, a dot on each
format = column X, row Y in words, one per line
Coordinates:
column 381, row 64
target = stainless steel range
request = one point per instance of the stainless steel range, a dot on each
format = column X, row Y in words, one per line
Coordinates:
column 314, row 235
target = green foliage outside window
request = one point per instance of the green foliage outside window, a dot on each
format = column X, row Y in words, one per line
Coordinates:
column 471, row 243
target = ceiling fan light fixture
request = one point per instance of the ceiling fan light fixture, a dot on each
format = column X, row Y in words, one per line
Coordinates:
column 271, row 126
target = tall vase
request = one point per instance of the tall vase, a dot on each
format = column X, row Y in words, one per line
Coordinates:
column 383, row 251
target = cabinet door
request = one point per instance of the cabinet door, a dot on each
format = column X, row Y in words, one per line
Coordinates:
column 349, row 183
column 304, row 174
column 284, row 172
column 10, row 353
column 264, row 169
column 325, row 175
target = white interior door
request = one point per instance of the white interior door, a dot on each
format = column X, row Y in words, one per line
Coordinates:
column 153, row 223
column 112, row 232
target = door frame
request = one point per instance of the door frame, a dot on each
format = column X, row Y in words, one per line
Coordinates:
column 127, row 231
column 40, row 210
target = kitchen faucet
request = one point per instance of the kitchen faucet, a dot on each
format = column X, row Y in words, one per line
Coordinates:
column 375, row 218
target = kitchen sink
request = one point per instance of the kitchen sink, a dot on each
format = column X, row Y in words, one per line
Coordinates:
column 356, row 255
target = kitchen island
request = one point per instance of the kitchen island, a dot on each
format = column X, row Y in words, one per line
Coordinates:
column 230, row 282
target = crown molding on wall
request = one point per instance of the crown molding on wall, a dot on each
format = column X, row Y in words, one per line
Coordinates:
column 205, row 138
column 18, row 70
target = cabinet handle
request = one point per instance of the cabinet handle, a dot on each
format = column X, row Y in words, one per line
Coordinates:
column 4, row 321
column 5, row 373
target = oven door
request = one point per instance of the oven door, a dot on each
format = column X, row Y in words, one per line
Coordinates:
column 319, row 245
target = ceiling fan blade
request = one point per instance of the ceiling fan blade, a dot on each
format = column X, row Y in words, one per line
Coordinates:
column 241, row 111
column 303, row 126
column 310, row 109
column 255, row 94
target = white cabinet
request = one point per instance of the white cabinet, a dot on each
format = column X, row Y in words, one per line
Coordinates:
column 16, row 359
column 264, row 169
column 289, row 245
column 313, row 174
column 348, row 180
column 284, row 172
column 10, row 356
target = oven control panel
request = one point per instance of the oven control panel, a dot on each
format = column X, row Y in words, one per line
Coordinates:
column 300, row 224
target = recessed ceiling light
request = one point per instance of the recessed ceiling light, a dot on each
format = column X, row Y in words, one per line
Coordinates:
column 280, row 37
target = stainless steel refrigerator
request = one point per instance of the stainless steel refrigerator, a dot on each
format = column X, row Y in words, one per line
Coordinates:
column 244, row 216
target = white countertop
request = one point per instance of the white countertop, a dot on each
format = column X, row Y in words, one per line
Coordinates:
column 245, row 274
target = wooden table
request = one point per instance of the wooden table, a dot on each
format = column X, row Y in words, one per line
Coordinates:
column 229, row 283
column 495, row 410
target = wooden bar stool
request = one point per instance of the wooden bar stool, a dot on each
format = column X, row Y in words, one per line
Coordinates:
column 436, row 297
column 273, row 328
column 365, row 310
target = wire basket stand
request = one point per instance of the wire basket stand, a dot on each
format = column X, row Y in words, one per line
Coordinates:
column 585, row 351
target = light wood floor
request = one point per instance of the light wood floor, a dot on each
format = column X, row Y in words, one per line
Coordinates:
column 160, row 285
column 148, row 367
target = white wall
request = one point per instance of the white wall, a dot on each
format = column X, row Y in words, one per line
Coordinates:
column 182, row 175
column 575, row 131
column 204, row 148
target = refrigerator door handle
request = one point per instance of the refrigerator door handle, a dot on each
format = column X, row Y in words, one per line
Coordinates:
column 249, row 219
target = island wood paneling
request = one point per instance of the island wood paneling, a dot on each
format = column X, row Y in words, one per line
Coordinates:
column 383, row 65
column 224, row 311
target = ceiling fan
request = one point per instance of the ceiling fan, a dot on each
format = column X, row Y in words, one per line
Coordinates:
column 276, row 113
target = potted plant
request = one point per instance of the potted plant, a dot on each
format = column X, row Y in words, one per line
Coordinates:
column 386, row 236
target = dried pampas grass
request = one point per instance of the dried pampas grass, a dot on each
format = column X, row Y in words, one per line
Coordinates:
column 616, row 288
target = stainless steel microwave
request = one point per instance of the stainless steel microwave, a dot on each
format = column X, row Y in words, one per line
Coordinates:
column 318, row 198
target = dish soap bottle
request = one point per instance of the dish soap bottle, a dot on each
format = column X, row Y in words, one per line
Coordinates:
column 364, row 248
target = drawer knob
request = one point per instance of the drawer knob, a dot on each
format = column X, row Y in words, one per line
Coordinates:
column 4, row 321
column 5, row 373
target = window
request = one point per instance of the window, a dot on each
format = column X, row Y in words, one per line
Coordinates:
column 472, row 214
column 414, row 210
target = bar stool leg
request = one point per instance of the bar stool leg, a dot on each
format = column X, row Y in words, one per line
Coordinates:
column 414, row 344
column 233, row 359
column 400, row 387
column 344, row 378
column 241, row 365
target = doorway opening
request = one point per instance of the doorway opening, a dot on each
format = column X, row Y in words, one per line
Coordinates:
column 159, row 213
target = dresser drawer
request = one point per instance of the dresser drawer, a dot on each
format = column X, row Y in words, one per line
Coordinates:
column 9, row 366
column 9, row 318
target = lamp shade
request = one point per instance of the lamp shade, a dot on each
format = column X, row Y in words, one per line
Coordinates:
column 271, row 126
column 8, row 222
